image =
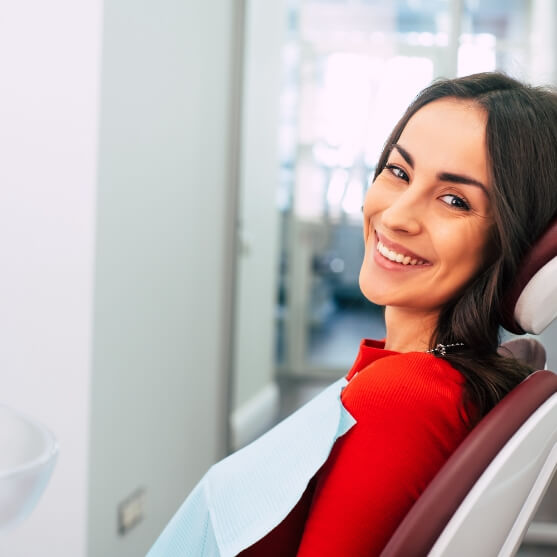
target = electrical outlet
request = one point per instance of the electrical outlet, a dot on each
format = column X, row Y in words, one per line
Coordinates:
column 131, row 511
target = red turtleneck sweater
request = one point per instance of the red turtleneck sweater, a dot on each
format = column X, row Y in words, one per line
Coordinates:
column 409, row 420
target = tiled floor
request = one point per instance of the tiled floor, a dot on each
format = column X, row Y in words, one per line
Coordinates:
column 537, row 551
column 296, row 392
column 336, row 343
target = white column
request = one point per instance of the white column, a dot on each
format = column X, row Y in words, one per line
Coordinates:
column 255, row 394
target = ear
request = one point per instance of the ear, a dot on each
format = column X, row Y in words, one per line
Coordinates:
column 530, row 304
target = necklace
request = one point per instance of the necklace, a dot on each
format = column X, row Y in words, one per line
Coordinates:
column 441, row 349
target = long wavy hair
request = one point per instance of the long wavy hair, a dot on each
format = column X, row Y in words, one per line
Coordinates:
column 521, row 143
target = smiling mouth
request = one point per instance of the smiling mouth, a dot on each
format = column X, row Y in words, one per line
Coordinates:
column 396, row 257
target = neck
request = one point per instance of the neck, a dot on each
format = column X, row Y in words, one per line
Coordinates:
column 409, row 330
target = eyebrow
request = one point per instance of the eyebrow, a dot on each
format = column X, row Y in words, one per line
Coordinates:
column 443, row 176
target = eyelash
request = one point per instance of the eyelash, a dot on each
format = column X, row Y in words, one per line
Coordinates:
column 393, row 169
column 462, row 204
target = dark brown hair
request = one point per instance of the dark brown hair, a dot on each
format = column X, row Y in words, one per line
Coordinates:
column 521, row 143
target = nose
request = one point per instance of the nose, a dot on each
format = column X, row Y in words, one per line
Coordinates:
column 404, row 213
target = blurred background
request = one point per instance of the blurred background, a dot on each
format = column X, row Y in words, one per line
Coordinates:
column 180, row 225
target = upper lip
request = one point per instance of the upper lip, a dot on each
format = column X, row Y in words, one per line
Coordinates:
column 398, row 248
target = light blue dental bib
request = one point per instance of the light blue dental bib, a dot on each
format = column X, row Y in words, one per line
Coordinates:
column 243, row 497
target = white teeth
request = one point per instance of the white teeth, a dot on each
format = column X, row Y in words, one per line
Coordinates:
column 397, row 257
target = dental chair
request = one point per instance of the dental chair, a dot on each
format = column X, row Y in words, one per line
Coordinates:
column 483, row 500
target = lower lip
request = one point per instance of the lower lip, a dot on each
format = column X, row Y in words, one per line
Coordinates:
column 385, row 263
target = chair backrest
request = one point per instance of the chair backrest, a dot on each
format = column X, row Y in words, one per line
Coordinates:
column 527, row 350
column 497, row 474
column 530, row 302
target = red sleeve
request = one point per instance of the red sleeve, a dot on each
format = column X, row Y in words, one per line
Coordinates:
column 409, row 421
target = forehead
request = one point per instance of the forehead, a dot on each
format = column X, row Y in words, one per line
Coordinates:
column 444, row 114
column 449, row 134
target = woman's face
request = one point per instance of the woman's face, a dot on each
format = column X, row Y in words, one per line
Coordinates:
column 427, row 216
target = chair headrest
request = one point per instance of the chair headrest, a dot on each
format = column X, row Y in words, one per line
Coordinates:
column 531, row 301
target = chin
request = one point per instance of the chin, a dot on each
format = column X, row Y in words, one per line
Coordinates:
column 370, row 294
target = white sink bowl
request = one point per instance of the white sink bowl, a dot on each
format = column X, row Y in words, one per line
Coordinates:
column 28, row 453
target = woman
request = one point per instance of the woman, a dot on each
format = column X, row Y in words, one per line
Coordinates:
column 464, row 186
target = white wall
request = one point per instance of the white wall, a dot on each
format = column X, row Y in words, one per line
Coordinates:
column 49, row 72
column 115, row 323
column 158, row 412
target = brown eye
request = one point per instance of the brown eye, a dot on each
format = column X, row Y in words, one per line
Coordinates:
column 455, row 201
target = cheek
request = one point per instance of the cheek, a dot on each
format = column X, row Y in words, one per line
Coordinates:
column 374, row 201
column 367, row 211
column 374, row 195
column 464, row 252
